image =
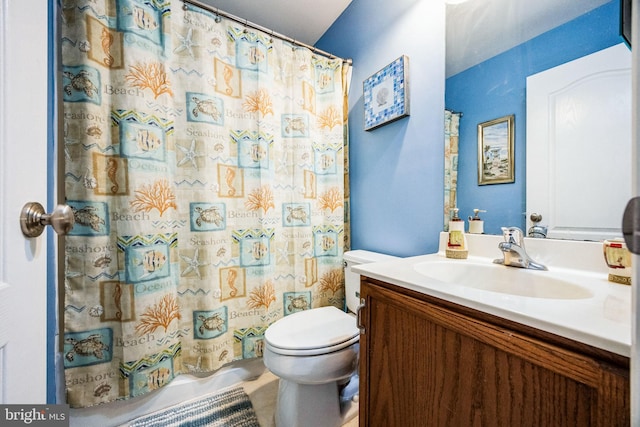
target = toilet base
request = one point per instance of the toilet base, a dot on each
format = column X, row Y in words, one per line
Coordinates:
column 311, row 405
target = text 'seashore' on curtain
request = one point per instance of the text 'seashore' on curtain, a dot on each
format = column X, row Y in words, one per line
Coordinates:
column 205, row 163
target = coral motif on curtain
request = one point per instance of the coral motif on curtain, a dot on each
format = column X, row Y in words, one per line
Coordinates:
column 451, row 136
column 205, row 165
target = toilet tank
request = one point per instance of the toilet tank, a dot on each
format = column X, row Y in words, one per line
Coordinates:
column 352, row 280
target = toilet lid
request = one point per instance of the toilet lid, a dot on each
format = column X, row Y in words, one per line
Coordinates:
column 317, row 331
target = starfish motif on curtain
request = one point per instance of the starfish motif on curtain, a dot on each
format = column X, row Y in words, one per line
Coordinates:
column 190, row 154
column 282, row 163
column 284, row 254
column 186, row 43
column 197, row 367
column 69, row 274
column 68, row 141
column 193, row 264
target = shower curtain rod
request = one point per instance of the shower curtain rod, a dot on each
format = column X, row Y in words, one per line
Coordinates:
column 263, row 29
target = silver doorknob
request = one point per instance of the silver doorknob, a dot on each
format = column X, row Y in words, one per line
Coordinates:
column 34, row 218
column 535, row 217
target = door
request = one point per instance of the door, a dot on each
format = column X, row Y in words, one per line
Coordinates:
column 579, row 145
column 23, row 178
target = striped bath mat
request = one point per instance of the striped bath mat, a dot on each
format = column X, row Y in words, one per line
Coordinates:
column 231, row 408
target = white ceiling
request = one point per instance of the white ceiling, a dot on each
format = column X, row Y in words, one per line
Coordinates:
column 476, row 29
column 480, row 29
column 302, row 20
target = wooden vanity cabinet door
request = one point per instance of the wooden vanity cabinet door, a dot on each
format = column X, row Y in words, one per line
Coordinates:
column 424, row 364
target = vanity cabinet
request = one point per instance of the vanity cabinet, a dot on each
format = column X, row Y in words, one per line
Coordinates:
column 426, row 362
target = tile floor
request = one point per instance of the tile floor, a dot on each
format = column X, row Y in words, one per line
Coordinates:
column 263, row 392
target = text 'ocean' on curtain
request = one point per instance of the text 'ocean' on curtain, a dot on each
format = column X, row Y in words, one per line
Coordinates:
column 205, row 164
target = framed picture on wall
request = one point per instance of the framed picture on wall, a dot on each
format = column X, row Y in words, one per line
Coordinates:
column 386, row 94
column 495, row 151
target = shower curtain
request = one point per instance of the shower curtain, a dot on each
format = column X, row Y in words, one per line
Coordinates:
column 205, row 163
column 451, row 133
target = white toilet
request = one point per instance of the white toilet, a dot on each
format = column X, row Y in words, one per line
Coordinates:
column 315, row 355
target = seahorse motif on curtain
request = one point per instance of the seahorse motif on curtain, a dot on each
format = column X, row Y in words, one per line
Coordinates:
column 205, row 165
column 451, row 136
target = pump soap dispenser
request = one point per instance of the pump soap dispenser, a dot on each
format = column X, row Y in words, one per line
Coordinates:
column 457, row 243
column 476, row 224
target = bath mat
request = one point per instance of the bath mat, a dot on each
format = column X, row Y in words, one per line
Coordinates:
column 231, row 408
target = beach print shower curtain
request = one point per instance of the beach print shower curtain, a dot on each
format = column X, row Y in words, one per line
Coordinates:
column 205, row 166
column 451, row 137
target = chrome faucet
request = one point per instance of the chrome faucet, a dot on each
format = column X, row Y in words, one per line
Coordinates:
column 513, row 250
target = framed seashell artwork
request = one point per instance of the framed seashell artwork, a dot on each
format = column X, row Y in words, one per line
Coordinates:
column 386, row 94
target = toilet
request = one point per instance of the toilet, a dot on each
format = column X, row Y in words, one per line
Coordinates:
column 315, row 355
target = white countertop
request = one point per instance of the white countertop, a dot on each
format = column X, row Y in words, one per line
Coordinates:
column 602, row 320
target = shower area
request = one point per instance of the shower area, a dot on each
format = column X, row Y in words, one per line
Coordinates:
column 206, row 164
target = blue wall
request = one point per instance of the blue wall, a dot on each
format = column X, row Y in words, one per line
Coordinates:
column 396, row 171
column 497, row 87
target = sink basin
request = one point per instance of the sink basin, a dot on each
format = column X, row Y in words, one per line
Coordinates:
column 505, row 280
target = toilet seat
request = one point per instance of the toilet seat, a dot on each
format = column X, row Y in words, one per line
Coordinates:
column 312, row 332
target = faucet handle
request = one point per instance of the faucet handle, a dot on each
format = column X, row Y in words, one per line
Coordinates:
column 513, row 235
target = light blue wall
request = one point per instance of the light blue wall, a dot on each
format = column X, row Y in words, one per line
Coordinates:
column 396, row 171
column 496, row 88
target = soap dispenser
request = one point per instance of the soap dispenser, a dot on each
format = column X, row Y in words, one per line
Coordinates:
column 457, row 242
column 476, row 224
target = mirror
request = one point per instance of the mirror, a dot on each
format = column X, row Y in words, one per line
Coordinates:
column 492, row 47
